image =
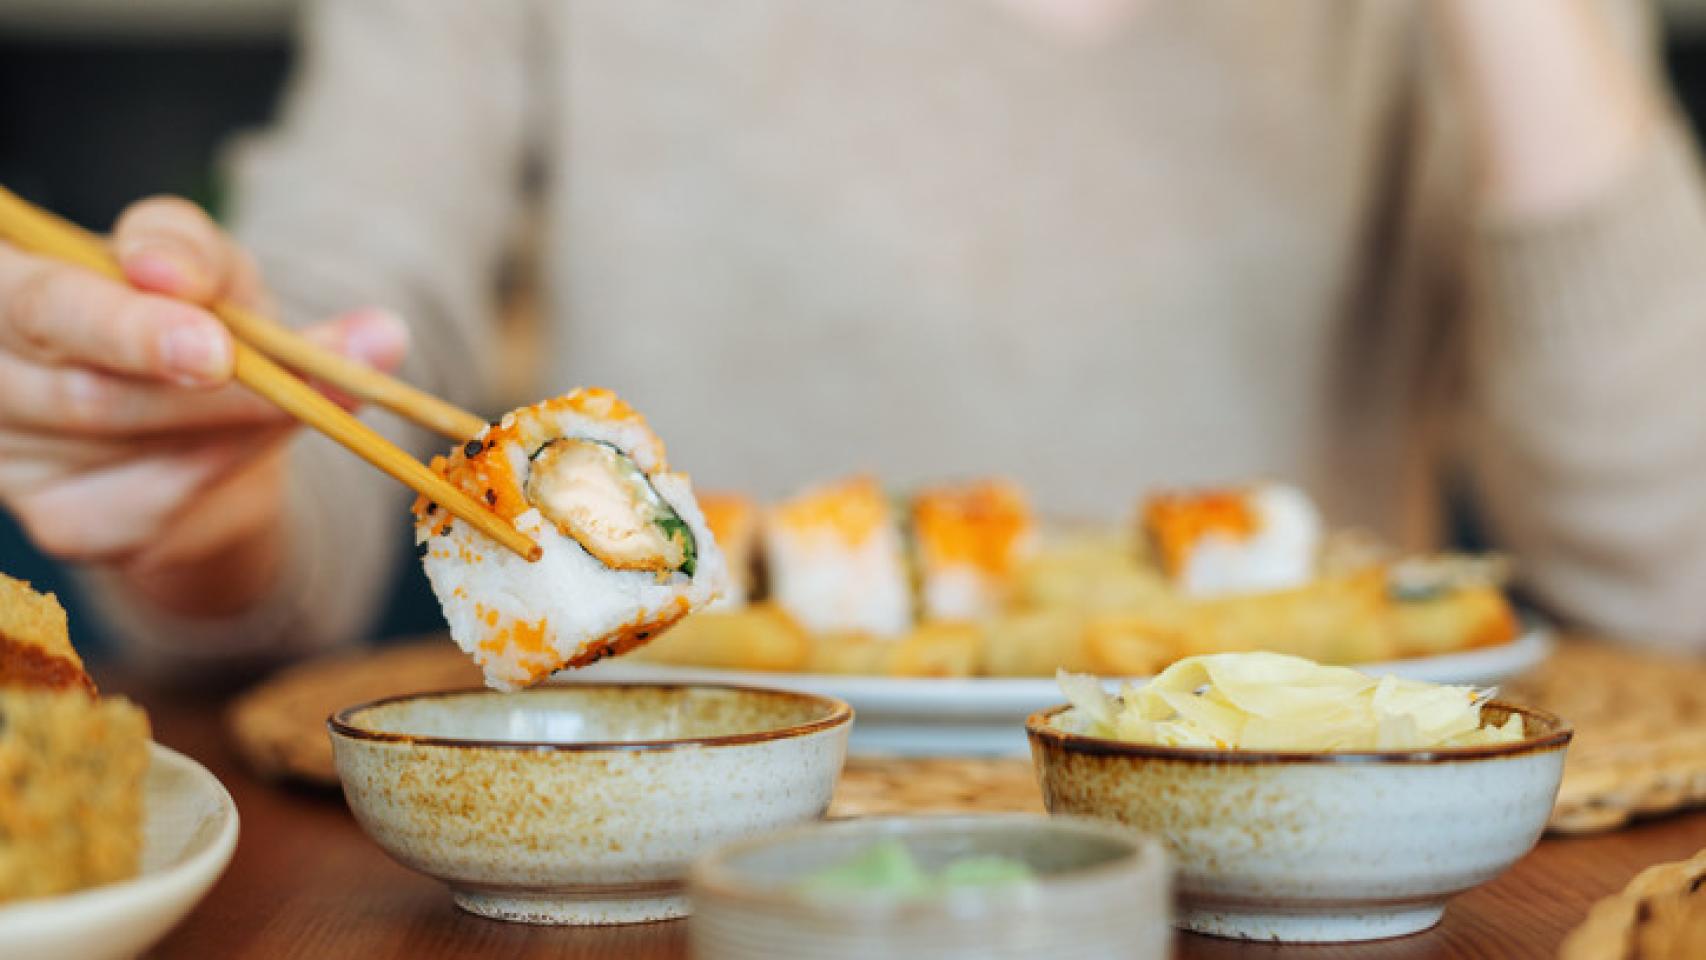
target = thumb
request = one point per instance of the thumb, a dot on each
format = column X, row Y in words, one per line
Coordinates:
column 373, row 336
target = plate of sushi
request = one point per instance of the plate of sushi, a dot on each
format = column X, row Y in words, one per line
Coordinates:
column 944, row 616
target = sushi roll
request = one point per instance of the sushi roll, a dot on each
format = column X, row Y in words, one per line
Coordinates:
column 625, row 549
column 970, row 541
column 835, row 560
column 733, row 521
column 1218, row 542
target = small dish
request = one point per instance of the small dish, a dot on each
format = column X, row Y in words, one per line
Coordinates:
column 585, row 803
column 189, row 832
column 1099, row 890
column 1314, row 847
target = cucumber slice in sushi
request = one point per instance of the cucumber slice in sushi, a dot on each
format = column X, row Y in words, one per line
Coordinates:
column 598, row 496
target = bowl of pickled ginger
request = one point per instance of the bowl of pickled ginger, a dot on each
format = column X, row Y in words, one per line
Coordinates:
column 1306, row 803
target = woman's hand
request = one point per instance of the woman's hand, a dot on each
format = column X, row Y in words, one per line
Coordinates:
column 123, row 440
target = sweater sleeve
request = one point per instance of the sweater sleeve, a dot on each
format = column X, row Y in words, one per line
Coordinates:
column 1587, row 354
column 390, row 180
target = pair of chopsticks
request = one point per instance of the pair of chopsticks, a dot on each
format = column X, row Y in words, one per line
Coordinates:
column 262, row 346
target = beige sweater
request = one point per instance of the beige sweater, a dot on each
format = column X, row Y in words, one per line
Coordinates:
column 1228, row 240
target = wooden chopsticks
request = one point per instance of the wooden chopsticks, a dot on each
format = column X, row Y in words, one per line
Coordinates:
column 44, row 234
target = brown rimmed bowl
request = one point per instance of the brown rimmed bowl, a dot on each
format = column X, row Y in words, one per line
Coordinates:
column 583, row 803
column 1313, row 847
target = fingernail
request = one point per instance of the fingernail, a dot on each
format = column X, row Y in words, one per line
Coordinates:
column 157, row 269
column 196, row 354
column 378, row 338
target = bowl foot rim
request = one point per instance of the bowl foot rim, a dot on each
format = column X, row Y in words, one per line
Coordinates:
column 581, row 907
column 1348, row 923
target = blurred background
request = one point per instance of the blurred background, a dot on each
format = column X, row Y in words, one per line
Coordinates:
column 106, row 101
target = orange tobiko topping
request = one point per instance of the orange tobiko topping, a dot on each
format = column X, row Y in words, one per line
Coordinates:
column 730, row 516
column 982, row 525
column 1177, row 522
column 851, row 511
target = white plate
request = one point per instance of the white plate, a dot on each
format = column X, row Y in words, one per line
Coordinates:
column 189, row 832
column 986, row 715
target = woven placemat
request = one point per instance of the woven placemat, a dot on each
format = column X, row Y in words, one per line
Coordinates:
column 1640, row 721
column 872, row 786
column 1660, row 915
column 1640, row 744
column 279, row 727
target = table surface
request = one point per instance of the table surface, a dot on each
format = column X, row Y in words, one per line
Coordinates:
column 305, row 882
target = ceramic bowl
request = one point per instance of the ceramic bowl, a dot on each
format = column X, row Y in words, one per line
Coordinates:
column 1314, row 847
column 1099, row 891
column 583, row 804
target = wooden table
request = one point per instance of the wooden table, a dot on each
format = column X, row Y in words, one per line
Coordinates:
column 306, row 883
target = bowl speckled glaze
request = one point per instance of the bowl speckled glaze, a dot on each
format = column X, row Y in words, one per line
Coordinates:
column 585, row 803
column 1314, row 847
column 1099, row 890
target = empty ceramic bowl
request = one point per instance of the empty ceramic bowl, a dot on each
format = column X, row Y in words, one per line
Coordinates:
column 1314, row 847
column 583, row 803
column 1094, row 890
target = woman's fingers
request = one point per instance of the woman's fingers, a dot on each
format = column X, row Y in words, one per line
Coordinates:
column 169, row 245
column 243, row 502
column 31, row 460
column 377, row 338
column 85, row 402
column 62, row 315
column 79, row 402
column 115, row 512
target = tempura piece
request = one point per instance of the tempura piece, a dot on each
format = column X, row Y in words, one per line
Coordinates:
column 1448, row 603
column 759, row 637
column 1331, row 620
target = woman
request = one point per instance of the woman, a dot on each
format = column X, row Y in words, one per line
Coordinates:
column 1099, row 245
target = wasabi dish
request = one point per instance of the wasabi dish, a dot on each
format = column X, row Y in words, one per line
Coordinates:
column 889, row 868
column 1268, row 701
column 625, row 550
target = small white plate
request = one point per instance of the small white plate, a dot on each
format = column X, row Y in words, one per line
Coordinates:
column 986, row 715
column 188, row 834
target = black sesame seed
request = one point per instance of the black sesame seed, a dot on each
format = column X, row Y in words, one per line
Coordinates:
column 492, row 497
column 472, row 449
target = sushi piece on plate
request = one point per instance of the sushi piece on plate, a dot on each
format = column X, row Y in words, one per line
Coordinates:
column 733, row 521
column 1216, row 542
column 835, row 560
column 626, row 551
column 970, row 542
